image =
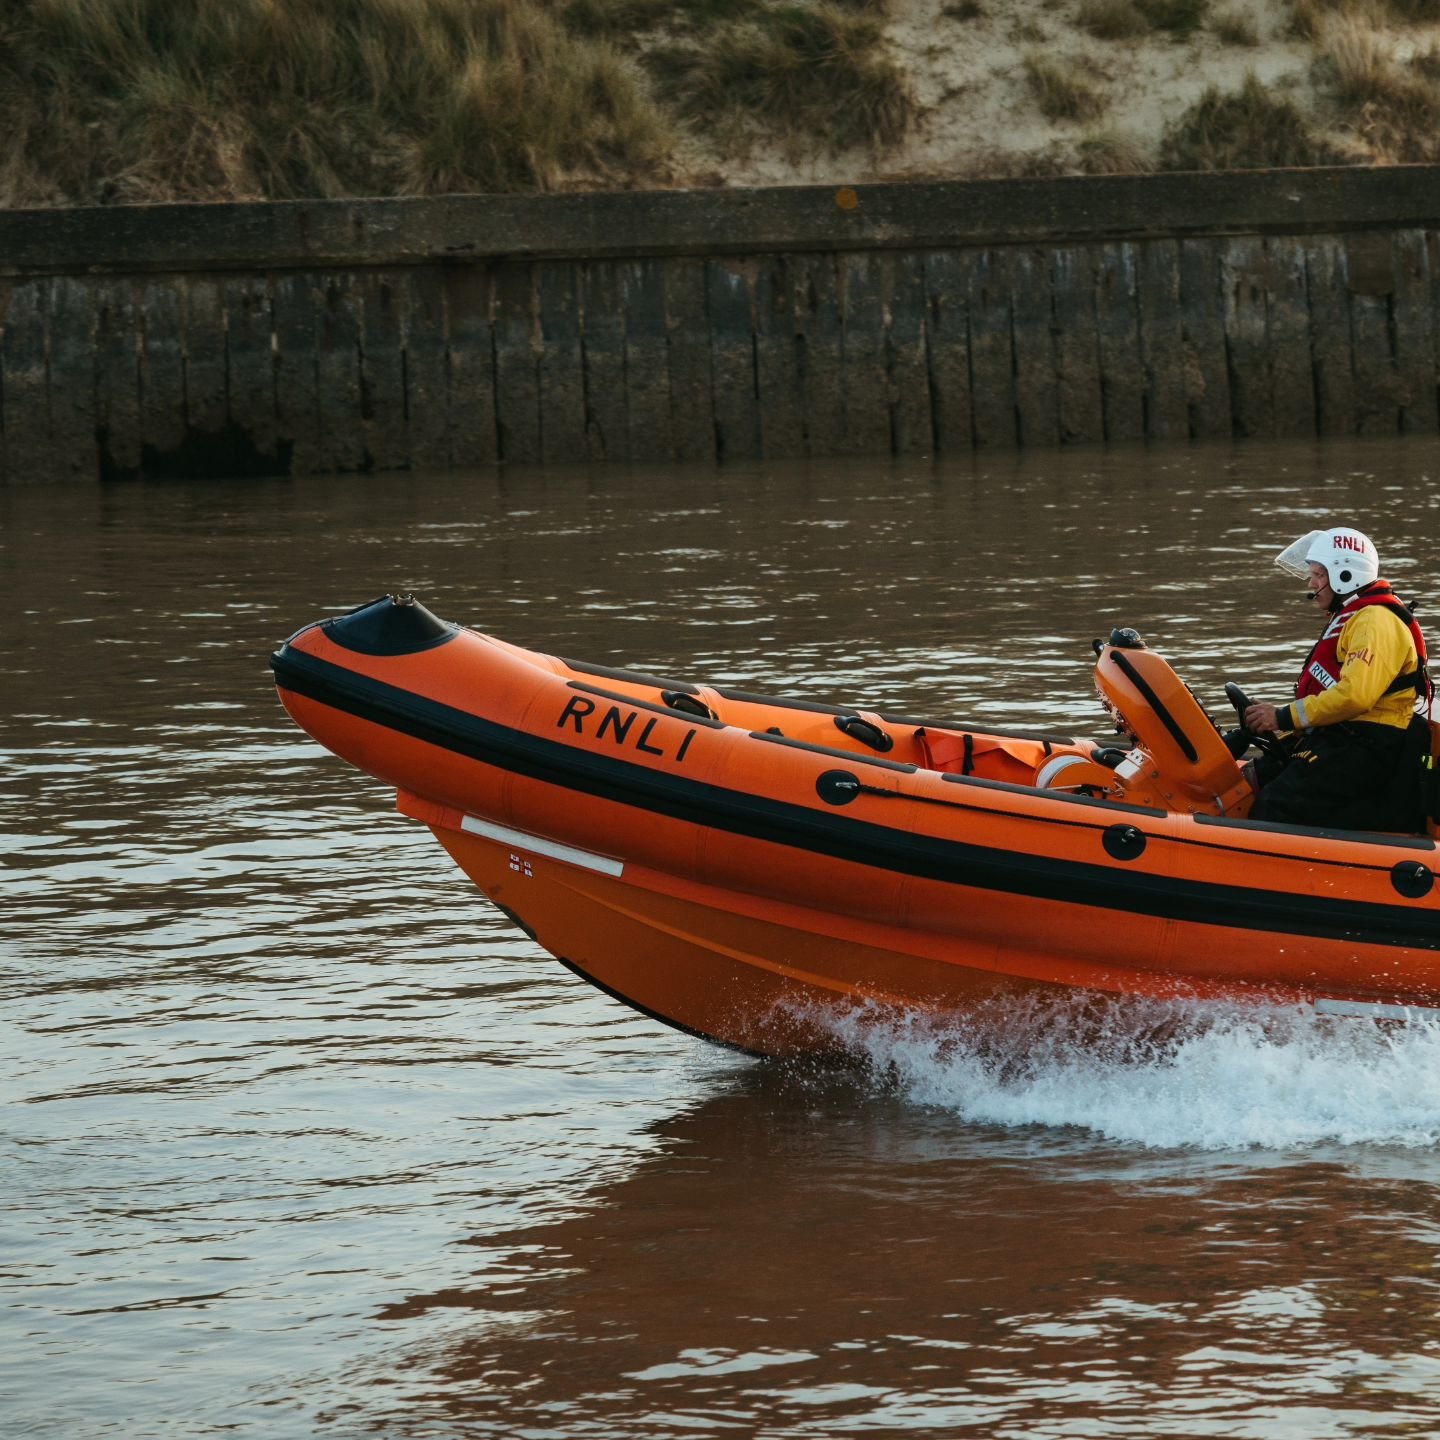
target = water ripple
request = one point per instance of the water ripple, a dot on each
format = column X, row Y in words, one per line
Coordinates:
column 302, row 1138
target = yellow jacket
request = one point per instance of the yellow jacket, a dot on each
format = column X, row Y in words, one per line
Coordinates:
column 1374, row 646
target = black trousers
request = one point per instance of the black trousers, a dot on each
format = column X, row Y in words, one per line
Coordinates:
column 1353, row 776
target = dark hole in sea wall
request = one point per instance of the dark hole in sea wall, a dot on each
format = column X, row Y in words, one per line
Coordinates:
column 226, row 454
column 288, row 339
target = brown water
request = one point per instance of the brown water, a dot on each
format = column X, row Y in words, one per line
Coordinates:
column 302, row 1139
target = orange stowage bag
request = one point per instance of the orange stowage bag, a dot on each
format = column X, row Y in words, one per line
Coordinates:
column 991, row 757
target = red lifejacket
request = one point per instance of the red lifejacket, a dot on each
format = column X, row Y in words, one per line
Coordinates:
column 1322, row 666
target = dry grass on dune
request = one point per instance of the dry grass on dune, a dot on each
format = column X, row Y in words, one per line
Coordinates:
column 1063, row 89
column 1111, row 19
column 1235, row 27
column 1309, row 19
column 1248, row 129
column 801, row 74
column 1127, row 19
column 144, row 100
column 1392, row 105
column 1371, row 94
column 137, row 100
column 149, row 99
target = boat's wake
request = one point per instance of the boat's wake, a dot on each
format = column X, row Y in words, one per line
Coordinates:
column 1166, row 1075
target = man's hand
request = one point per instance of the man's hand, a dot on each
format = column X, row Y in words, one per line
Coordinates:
column 1262, row 719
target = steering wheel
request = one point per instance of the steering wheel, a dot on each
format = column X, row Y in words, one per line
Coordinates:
column 1267, row 744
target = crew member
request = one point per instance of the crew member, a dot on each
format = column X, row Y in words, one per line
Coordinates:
column 1355, row 698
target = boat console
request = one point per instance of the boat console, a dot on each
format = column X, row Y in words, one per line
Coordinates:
column 1178, row 759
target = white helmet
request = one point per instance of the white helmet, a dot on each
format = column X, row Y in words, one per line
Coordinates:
column 1349, row 558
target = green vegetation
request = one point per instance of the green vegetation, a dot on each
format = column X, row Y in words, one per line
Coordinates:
column 1249, row 130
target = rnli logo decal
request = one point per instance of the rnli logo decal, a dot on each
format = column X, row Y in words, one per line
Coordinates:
column 657, row 735
column 1320, row 673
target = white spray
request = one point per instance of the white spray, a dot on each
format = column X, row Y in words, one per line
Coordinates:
column 1167, row 1075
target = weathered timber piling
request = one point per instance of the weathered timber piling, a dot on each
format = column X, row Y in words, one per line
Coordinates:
column 715, row 325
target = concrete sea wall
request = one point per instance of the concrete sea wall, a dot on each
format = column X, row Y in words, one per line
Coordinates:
column 697, row 325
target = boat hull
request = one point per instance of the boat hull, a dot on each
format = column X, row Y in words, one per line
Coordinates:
column 756, row 975
column 776, row 978
column 765, row 890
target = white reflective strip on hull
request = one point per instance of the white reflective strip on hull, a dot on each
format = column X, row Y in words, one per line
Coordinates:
column 1369, row 1009
column 602, row 864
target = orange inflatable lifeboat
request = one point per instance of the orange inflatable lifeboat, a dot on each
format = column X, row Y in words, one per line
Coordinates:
column 746, row 867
